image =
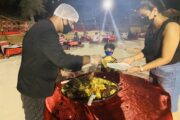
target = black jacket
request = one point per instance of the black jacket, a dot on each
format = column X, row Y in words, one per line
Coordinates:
column 42, row 56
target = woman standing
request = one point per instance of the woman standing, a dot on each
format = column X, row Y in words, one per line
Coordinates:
column 162, row 53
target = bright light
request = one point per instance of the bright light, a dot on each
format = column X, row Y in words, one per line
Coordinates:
column 107, row 4
column 115, row 26
column 104, row 21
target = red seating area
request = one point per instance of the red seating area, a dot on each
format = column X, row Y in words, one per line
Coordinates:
column 73, row 43
column 10, row 33
column 8, row 50
column 12, row 51
column 109, row 38
column 4, row 43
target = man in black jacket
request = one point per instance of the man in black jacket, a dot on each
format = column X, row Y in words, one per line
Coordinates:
column 42, row 57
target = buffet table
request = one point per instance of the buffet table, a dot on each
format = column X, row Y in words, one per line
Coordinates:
column 137, row 99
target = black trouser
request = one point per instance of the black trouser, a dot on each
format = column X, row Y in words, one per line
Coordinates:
column 33, row 107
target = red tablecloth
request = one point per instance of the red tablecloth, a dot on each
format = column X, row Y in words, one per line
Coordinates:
column 142, row 100
column 138, row 100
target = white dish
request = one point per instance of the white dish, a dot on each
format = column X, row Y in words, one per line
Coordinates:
column 119, row 66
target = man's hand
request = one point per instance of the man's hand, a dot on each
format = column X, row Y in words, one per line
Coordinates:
column 89, row 68
column 67, row 74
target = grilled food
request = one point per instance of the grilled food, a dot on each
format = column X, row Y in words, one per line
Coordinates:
column 82, row 89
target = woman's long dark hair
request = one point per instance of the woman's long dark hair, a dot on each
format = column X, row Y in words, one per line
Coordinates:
column 150, row 6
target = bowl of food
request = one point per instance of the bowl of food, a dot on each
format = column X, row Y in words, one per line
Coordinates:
column 82, row 88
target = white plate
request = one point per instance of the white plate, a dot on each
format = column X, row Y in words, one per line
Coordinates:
column 119, row 66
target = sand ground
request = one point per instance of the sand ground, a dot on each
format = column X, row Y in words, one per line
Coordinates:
column 10, row 102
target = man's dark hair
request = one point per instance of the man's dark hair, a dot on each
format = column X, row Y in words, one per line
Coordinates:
column 109, row 45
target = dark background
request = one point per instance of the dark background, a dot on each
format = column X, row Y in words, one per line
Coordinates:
column 91, row 11
column 88, row 9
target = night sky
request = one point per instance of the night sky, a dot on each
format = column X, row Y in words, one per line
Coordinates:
column 88, row 9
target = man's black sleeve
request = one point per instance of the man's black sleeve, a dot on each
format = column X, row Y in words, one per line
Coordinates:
column 51, row 47
column 144, row 52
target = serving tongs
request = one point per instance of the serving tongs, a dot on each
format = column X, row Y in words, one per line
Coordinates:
column 91, row 98
column 80, row 75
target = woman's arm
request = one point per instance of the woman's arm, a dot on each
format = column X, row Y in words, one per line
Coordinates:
column 134, row 58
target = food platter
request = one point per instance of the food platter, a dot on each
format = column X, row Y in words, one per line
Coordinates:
column 82, row 88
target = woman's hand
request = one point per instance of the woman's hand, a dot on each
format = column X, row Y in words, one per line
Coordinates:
column 128, row 60
column 134, row 70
